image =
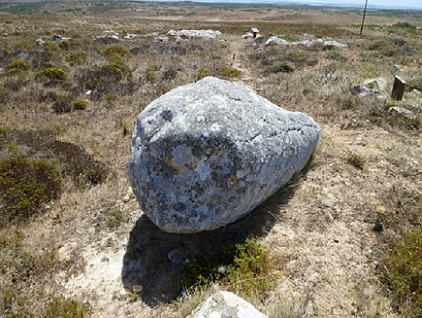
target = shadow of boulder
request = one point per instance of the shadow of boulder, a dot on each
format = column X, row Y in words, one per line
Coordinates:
column 154, row 260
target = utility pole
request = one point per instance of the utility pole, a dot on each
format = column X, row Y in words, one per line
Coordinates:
column 363, row 20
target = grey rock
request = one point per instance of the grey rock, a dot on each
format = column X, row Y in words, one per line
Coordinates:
column 206, row 154
column 39, row 42
column 161, row 38
column 56, row 38
column 276, row 40
column 395, row 69
column 415, row 108
column 59, row 38
column 378, row 84
column 361, row 90
column 402, row 113
column 177, row 255
column 225, row 304
column 332, row 44
column 195, row 34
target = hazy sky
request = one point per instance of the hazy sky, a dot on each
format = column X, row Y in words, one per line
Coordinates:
column 371, row 3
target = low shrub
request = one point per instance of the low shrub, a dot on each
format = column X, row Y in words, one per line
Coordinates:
column 76, row 58
column 403, row 273
column 404, row 25
column 117, row 65
column 115, row 219
column 79, row 104
column 51, row 74
column 151, row 77
column 112, row 98
column 17, row 66
column 25, row 186
column 228, row 71
column 111, row 51
column 66, row 308
column 62, row 104
column 356, row 160
column 3, row 132
column 244, row 268
column 202, row 73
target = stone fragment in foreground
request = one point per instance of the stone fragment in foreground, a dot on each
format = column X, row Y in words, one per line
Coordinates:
column 206, row 154
column 226, row 304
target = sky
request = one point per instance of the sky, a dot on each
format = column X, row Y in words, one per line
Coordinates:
column 416, row 4
column 372, row 4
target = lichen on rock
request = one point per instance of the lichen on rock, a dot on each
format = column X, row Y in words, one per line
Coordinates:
column 206, row 154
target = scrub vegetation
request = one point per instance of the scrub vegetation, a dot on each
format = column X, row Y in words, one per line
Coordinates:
column 343, row 239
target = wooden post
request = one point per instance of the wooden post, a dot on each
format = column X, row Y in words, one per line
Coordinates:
column 255, row 32
column 363, row 19
column 398, row 88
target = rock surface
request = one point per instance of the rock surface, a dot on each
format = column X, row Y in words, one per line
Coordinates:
column 206, row 154
column 327, row 44
column 401, row 112
column 195, row 34
column 225, row 304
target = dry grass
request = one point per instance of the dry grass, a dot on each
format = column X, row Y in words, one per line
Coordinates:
column 327, row 231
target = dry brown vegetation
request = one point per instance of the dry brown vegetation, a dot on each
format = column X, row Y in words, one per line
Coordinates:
column 89, row 250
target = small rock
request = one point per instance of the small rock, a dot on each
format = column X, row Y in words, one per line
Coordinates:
column 161, row 39
column 362, row 91
column 195, row 34
column 376, row 84
column 402, row 113
column 395, row 69
column 177, row 255
column 332, row 44
column 415, row 108
column 276, row 40
column 39, row 42
column 225, row 304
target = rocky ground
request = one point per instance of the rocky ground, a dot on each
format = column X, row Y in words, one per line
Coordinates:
column 327, row 232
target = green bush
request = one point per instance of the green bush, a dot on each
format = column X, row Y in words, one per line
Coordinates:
column 244, row 268
column 17, row 66
column 228, row 71
column 115, row 219
column 76, row 57
column 52, row 74
column 65, row 308
column 79, row 104
column 95, row 174
column 111, row 51
column 25, row 186
column 202, row 73
column 3, row 132
column 356, row 160
column 151, row 77
column 117, row 65
column 404, row 25
column 112, row 98
column 403, row 273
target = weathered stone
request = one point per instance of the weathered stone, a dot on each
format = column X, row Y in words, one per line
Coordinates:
column 332, row 44
column 276, row 40
column 195, row 34
column 225, row 304
column 39, row 42
column 415, row 108
column 362, row 91
column 206, row 154
column 401, row 112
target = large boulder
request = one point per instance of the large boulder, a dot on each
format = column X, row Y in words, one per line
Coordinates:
column 206, row 154
column 226, row 304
